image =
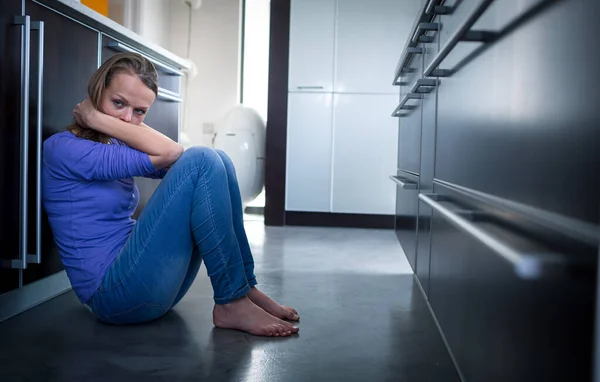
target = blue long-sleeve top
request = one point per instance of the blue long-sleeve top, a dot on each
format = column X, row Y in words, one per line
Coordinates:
column 89, row 195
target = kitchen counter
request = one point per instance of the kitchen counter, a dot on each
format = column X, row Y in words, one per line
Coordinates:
column 93, row 19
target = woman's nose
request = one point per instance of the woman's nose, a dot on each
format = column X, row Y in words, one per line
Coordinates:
column 126, row 114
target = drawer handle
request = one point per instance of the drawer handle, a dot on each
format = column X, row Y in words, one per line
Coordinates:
column 37, row 257
column 166, row 95
column 404, row 60
column 428, row 84
column 403, row 106
column 117, row 46
column 424, row 27
column 526, row 265
column 24, row 23
column 309, row 87
column 423, row 85
column 434, row 9
column 463, row 33
column 400, row 181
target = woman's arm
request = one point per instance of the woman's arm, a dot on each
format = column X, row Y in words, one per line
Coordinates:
column 162, row 151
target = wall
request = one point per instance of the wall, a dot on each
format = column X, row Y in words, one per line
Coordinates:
column 215, row 52
column 155, row 21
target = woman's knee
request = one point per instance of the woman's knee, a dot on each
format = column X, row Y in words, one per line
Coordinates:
column 206, row 157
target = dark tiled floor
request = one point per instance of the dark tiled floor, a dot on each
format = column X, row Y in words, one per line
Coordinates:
column 363, row 319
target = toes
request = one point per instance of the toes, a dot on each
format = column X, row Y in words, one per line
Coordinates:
column 285, row 324
column 290, row 309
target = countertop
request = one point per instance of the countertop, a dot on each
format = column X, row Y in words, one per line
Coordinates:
column 93, row 19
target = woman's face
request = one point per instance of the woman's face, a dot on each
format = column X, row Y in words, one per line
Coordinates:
column 127, row 98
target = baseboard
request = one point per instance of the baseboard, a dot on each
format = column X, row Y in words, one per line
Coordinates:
column 255, row 210
column 324, row 219
column 22, row 299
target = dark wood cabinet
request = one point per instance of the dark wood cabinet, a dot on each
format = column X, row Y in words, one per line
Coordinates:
column 69, row 60
column 37, row 95
column 11, row 53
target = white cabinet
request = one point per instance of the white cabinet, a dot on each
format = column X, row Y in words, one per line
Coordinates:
column 308, row 173
column 370, row 36
column 365, row 140
column 312, row 36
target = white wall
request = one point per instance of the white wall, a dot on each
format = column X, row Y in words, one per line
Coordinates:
column 215, row 51
column 155, row 21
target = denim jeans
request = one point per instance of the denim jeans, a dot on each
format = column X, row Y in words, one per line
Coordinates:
column 194, row 215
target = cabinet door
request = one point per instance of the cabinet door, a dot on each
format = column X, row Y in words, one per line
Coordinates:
column 164, row 117
column 308, row 176
column 10, row 142
column 492, row 318
column 364, row 153
column 406, row 218
column 369, row 38
column 522, row 123
column 70, row 58
column 311, row 45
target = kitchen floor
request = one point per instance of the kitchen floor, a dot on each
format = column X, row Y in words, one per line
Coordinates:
column 362, row 319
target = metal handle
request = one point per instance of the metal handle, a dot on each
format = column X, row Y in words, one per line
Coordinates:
column 424, row 27
column 36, row 258
column 166, row 95
column 463, row 33
column 403, row 184
column 433, row 8
column 402, row 105
column 309, row 87
column 25, row 24
column 404, row 59
column 427, row 83
column 526, row 265
column 124, row 48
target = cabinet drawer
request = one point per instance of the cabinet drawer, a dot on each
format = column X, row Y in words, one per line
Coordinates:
column 169, row 78
column 406, row 214
column 521, row 123
column 501, row 326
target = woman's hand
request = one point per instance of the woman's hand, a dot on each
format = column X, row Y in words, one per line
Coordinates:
column 85, row 114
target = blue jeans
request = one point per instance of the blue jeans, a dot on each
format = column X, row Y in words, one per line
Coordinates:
column 194, row 215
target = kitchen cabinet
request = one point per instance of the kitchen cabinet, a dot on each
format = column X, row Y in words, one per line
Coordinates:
column 312, row 37
column 364, row 149
column 164, row 115
column 47, row 106
column 66, row 70
column 11, row 98
column 368, row 37
column 48, row 52
column 521, row 123
column 503, row 325
column 507, row 232
column 406, row 216
column 309, row 141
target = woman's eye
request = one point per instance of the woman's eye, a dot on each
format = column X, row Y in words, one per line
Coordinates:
column 118, row 103
column 140, row 111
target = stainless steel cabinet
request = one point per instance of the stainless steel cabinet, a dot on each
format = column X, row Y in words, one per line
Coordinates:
column 504, row 320
column 519, row 120
column 509, row 165
column 406, row 214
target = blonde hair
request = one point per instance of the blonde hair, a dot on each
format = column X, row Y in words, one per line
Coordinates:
column 126, row 62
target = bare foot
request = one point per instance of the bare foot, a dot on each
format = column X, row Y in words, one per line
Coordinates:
column 243, row 314
column 267, row 303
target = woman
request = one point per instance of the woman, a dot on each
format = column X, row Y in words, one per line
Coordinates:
column 131, row 272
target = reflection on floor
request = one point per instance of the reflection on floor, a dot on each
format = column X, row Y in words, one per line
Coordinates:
column 363, row 319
